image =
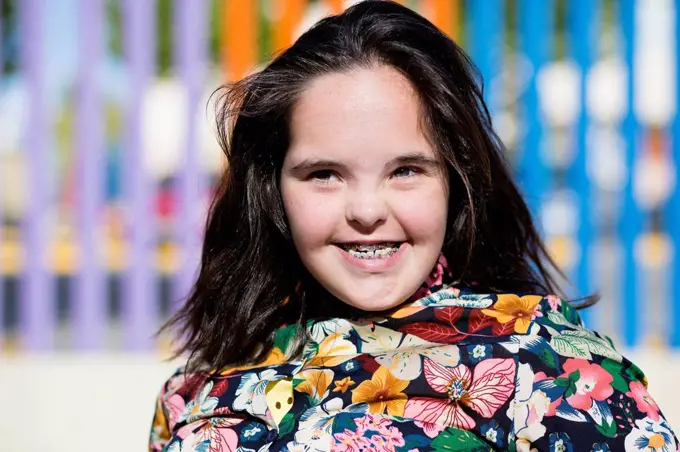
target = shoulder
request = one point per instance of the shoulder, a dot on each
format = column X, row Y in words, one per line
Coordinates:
column 576, row 389
column 171, row 402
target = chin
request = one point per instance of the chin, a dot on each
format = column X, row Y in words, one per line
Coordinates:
column 376, row 297
column 375, row 305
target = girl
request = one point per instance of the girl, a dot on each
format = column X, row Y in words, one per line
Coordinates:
column 371, row 278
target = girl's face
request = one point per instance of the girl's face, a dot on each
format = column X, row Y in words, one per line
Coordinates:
column 365, row 195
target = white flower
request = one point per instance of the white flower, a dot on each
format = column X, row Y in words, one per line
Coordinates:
column 201, row 406
column 402, row 353
column 491, row 435
column 191, row 443
column 560, row 446
column 315, row 429
column 250, row 392
column 528, row 407
column 252, row 431
column 479, row 351
column 294, row 446
column 321, row 329
column 651, row 436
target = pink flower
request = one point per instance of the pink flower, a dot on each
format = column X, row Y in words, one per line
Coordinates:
column 644, row 401
column 175, row 407
column 349, row 441
column 388, row 441
column 430, row 428
column 373, row 422
column 490, row 387
column 554, row 302
column 594, row 383
column 394, row 437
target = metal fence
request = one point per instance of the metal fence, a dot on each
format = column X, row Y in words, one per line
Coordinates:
column 103, row 149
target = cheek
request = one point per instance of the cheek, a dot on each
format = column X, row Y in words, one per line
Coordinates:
column 311, row 218
column 423, row 215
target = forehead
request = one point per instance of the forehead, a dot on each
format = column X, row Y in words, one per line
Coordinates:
column 362, row 112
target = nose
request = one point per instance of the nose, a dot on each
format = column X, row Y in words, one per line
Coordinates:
column 366, row 208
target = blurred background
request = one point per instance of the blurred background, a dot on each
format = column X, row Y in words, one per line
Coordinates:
column 108, row 159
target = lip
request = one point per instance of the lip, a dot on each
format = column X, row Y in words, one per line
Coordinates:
column 374, row 265
column 369, row 242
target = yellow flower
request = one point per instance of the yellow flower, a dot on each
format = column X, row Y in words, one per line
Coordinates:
column 316, row 382
column 275, row 356
column 382, row 391
column 510, row 307
column 333, row 350
column 343, row 385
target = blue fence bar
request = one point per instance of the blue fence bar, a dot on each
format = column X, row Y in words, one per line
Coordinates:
column 191, row 17
column 89, row 313
column 37, row 291
column 140, row 289
column 673, row 207
column 583, row 21
column 630, row 221
column 484, row 43
column 535, row 27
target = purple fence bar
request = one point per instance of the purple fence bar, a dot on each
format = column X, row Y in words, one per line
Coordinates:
column 2, row 214
column 190, row 17
column 140, row 291
column 37, row 311
column 90, row 295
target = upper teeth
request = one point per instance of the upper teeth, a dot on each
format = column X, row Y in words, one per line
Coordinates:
column 368, row 248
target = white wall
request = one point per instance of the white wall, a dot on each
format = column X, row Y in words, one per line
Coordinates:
column 105, row 402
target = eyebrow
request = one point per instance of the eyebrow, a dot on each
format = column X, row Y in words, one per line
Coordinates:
column 415, row 158
column 312, row 164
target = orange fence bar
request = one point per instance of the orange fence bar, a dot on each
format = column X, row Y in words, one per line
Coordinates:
column 444, row 14
column 336, row 6
column 288, row 15
column 238, row 38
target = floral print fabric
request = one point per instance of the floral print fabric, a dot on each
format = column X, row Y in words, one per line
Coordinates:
column 450, row 370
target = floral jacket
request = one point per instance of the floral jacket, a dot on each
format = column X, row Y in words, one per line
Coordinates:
column 453, row 370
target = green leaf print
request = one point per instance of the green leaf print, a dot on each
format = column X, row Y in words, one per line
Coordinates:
column 414, row 442
column 284, row 337
column 345, row 421
column 570, row 313
column 287, row 424
column 616, row 370
column 582, row 344
column 458, row 440
column 548, row 358
column 607, row 428
column 561, row 382
column 557, row 319
column 635, row 373
column 571, row 389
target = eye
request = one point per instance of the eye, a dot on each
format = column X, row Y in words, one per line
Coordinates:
column 406, row 171
column 323, row 176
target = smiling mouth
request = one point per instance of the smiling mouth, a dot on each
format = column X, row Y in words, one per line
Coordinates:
column 382, row 250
